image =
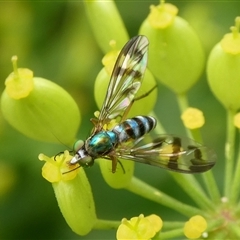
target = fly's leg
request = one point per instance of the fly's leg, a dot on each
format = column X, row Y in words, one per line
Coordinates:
column 145, row 94
column 122, row 166
column 114, row 163
column 124, row 117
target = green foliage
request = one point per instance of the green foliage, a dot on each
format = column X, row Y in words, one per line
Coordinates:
column 55, row 40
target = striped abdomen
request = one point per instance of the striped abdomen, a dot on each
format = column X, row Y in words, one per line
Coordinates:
column 134, row 128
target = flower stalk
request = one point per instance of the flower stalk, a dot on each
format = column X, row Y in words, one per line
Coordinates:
column 229, row 152
column 208, row 177
column 236, row 181
column 143, row 189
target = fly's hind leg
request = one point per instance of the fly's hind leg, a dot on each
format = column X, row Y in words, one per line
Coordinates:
column 124, row 117
column 122, row 166
column 145, row 94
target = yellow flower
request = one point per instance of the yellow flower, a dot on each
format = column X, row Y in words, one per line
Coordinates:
column 109, row 60
column 19, row 83
column 110, row 124
column 81, row 217
column 194, row 228
column 231, row 41
column 139, row 227
column 162, row 16
column 57, row 168
column 193, row 118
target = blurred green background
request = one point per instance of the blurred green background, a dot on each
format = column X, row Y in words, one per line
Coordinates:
column 54, row 40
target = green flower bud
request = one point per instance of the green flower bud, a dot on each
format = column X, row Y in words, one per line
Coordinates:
column 223, row 69
column 73, row 192
column 106, row 23
column 176, row 56
column 39, row 108
column 122, row 177
column 142, row 105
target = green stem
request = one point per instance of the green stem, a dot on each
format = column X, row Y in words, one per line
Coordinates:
column 143, row 189
column 229, row 153
column 182, row 102
column 237, row 209
column 215, row 224
column 183, row 105
column 208, row 177
column 220, row 235
column 170, row 234
column 235, row 230
column 236, row 182
column 196, row 135
column 211, row 186
column 172, row 225
column 191, row 186
column 106, row 224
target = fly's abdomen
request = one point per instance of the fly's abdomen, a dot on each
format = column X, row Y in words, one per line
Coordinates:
column 134, row 128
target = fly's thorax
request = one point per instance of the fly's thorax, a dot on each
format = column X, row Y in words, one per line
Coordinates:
column 134, row 128
column 101, row 143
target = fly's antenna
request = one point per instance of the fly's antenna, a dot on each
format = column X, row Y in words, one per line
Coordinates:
column 71, row 170
column 70, row 149
column 61, row 142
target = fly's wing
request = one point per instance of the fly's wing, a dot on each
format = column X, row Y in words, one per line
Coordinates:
column 125, row 80
column 169, row 152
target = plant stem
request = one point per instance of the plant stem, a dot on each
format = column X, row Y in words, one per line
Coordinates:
column 215, row 224
column 208, row 177
column 235, row 230
column 170, row 234
column 211, row 186
column 172, row 225
column 183, row 105
column 188, row 182
column 106, row 224
column 229, row 153
column 191, row 186
column 143, row 189
column 182, row 102
column 236, row 181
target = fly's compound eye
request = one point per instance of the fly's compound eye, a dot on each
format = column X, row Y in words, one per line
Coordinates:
column 86, row 161
column 78, row 145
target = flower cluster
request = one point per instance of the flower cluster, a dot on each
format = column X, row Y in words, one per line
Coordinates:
column 31, row 103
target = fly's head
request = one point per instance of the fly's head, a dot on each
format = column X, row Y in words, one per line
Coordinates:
column 81, row 156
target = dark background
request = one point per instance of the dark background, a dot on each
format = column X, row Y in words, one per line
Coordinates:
column 55, row 40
